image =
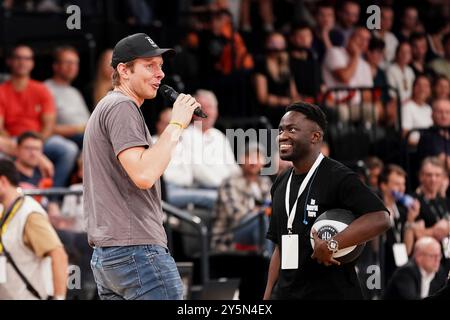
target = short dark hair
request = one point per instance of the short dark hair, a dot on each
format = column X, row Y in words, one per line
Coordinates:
column 388, row 170
column 27, row 135
column 8, row 170
column 301, row 25
column 376, row 44
column 59, row 50
column 417, row 36
column 11, row 51
column 312, row 112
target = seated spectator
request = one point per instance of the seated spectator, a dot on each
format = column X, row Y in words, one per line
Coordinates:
column 305, row 66
column 26, row 104
column 274, row 82
column 380, row 97
column 102, row 84
column 241, row 198
column 29, row 242
column 441, row 66
column 325, row 33
column 392, row 185
column 416, row 113
column 374, row 167
column 441, row 88
column 385, row 34
column 30, row 148
column 421, row 277
column 419, row 49
column 202, row 161
column 409, row 24
column 346, row 68
column 72, row 112
column 348, row 17
column 400, row 75
column 433, row 207
column 435, row 141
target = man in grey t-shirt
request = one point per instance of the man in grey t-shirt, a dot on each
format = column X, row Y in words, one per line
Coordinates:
column 122, row 167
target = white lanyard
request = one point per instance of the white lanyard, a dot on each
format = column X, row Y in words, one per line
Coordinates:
column 291, row 215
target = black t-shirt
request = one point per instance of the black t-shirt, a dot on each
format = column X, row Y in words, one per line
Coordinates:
column 334, row 186
column 431, row 211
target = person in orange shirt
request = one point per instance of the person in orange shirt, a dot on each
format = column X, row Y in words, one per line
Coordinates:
column 26, row 104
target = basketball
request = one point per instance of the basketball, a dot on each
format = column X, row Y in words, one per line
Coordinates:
column 330, row 223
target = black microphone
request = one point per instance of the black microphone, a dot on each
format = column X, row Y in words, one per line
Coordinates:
column 171, row 95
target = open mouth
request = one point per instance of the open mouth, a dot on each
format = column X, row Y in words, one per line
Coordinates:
column 285, row 146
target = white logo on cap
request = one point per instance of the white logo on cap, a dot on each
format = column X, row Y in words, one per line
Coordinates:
column 152, row 43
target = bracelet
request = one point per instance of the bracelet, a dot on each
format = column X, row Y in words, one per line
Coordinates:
column 177, row 124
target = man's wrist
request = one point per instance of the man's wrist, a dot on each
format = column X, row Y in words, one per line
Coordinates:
column 333, row 245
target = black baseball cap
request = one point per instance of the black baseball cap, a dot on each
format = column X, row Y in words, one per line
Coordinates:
column 138, row 45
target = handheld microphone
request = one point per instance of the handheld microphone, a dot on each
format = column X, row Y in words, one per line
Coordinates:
column 171, row 95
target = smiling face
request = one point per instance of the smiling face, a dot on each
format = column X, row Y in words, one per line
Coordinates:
column 297, row 136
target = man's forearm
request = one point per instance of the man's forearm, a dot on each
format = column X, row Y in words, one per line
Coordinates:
column 69, row 130
column 274, row 270
column 363, row 229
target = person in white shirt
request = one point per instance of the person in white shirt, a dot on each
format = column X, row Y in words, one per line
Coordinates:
column 72, row 111
column 387, row 20
column 205, row 159
column 400, row 75
column 346, row 68
column 416, row 113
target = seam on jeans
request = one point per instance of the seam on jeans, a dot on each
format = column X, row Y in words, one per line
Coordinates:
column 160, row 278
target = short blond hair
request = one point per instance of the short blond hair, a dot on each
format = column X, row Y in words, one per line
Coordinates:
column 116, row 76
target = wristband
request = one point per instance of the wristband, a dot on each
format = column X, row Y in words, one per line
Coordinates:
column 177, row 124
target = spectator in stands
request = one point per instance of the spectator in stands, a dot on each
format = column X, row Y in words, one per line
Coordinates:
column 305, row 65
column 419, row 48
column 27, row 241
column 409, row 24
column 72, row 111
column 435, row 141
column 441, row 88
column 241, row 198
column 439, row 26
column 26, row 104
column 346, row 68
column 30, row 148
column 348, row 17
column 205, row 161
column 102, row 83
column 400, row 75
column 374, row 167
column 441, row 66
column 421, row 277
column 433, row 207
column 416, row 113
column 325, row 34
column 392, row 184
column 275, row 84
column 391, row 42
column 265, row 11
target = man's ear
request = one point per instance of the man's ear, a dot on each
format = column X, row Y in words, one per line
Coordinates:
column 316, row 137
column 123, row 70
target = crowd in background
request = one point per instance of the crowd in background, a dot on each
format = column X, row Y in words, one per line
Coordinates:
column 247, row 59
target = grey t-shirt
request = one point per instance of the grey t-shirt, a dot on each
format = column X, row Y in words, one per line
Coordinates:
column 72, row 109
column 118, row 212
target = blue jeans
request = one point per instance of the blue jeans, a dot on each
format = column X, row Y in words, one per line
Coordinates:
column 250, row 234
column 182, row 196
column 63, row 153
column 143, row 272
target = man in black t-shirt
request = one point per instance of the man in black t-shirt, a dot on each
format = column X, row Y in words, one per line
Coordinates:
column 327, row 184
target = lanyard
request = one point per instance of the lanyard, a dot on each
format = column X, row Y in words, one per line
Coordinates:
column 291, row 214
column 7, row 217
